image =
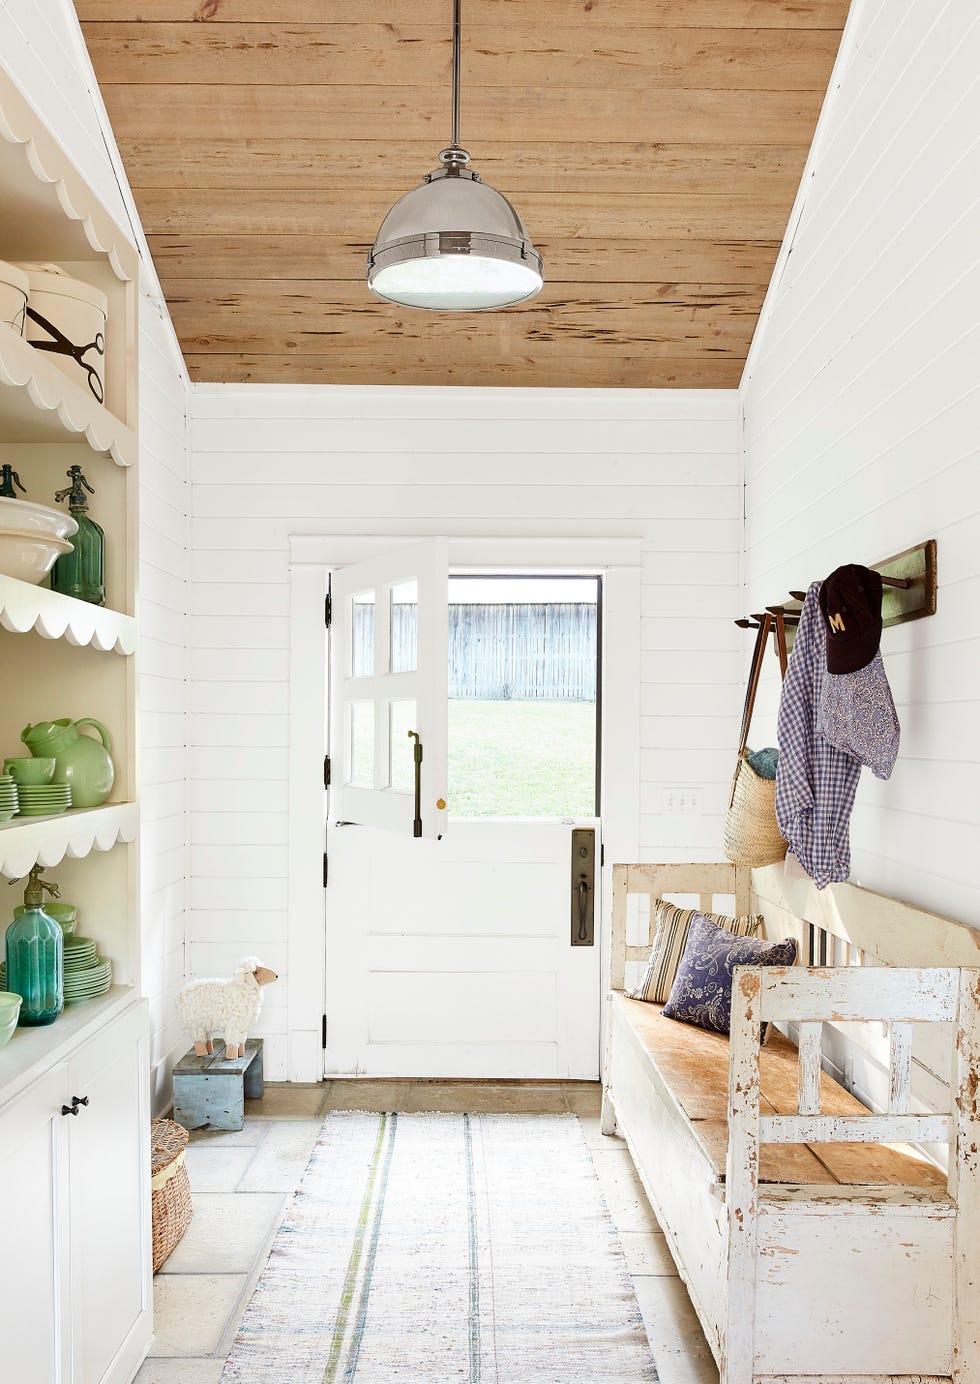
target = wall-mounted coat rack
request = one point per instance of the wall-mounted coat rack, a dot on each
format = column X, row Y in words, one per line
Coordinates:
column 909, row 587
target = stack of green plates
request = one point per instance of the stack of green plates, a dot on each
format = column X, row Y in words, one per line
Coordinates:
column 8, row 797
column 43, row 799
column 79, row 952
column 88, row 982
column 86, row 973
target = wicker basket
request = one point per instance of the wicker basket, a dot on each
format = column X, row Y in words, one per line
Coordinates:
column 172, row 1209
column 751, row 834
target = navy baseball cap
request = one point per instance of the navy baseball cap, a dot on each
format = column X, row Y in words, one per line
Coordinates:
column 850, row 599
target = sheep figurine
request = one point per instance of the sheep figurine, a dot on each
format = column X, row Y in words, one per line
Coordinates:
column 229, row 1007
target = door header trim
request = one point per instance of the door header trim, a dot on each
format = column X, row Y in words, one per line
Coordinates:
column 587, row 554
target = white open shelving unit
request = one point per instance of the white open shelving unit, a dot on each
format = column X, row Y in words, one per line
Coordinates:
column 79, row 1305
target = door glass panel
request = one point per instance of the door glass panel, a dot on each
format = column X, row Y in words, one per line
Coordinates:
column 523, row 712
column 362, row 635
column 361, row 765
column 403, row 719
column 404, row 627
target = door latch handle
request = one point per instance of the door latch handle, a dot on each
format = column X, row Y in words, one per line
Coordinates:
column 417, row 756
column 583, row 909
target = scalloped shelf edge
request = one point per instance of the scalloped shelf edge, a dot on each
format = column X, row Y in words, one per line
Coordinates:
column 20, row 125
column 53, row 392
column 47, row 841
column 24, row 608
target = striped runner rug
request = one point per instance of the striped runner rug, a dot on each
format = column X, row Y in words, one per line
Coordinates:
column 421, row 1249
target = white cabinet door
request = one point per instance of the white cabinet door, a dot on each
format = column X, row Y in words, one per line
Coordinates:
column 33, row 1203
column 110, row 1200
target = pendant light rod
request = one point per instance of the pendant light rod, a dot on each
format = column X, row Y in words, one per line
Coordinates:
column 454, row 244
column 456, row 46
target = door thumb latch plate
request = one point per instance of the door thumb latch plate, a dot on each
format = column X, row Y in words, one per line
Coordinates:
column 583, row 887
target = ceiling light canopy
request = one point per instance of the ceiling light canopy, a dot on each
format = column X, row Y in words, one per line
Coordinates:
column 454, row 244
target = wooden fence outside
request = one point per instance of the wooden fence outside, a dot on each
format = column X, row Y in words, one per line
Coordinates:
column 520, row 652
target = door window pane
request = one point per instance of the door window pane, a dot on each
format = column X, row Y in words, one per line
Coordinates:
column 362, row 635
column 404, row 627
column 402, row 767
column 361, row 758
column 523, row 676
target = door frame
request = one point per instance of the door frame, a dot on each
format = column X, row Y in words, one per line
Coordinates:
column 311, row 560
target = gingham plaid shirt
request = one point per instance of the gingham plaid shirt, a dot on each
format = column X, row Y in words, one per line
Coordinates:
column 815, row 782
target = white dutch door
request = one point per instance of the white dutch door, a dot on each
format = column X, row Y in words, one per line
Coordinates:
column 462, row 909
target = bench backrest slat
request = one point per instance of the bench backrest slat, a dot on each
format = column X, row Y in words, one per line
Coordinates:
column 707, row 881
column 900, row 1069
column 895, row 933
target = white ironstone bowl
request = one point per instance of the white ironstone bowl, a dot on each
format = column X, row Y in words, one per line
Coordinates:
column 26, row 517
column 29, row 556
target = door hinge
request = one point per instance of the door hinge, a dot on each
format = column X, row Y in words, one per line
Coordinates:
column 327, row 609
column 325, row 869
column 326, row 771
column 324, row 1033
column 602, row 854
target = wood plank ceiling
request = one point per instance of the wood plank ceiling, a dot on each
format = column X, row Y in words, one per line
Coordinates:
column 652, row 147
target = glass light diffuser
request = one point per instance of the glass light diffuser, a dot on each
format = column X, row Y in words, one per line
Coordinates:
column 454, row 283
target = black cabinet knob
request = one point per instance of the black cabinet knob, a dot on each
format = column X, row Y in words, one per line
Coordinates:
column 79, row 1100
column 69, row 1110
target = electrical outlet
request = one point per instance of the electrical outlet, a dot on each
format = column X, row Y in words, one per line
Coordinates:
column 683, row 802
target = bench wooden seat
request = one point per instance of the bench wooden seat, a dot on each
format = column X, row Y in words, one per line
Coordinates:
column 820, row 1241
column 692, row 1065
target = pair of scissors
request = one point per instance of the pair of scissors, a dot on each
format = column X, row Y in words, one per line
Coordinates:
column 61, row 346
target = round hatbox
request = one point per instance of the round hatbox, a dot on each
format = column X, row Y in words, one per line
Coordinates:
column 66, row 318
column 14, row 285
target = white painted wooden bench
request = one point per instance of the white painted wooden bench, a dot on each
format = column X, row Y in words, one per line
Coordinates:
column 816, row 1242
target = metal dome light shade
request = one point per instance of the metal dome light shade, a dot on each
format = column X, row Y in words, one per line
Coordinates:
column 454, row 244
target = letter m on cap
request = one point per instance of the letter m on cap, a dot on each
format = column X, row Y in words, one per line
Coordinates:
column 836, row 623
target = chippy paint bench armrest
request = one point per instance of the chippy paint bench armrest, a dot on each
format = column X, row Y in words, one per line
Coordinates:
column 706, row 880
column 811, row 997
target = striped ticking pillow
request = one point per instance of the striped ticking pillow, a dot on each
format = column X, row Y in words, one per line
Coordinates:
column 673, row 924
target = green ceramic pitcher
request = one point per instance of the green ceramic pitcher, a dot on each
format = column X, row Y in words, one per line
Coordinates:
column 80, row 760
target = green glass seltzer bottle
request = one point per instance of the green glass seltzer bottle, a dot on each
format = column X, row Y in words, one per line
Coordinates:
column 81, row 573
column 35, row 957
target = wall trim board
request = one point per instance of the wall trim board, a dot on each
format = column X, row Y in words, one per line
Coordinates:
column 578, row 555
column 359, row 401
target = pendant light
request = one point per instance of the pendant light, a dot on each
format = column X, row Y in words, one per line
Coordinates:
column 454, row 244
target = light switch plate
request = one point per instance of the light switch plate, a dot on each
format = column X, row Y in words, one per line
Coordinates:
column 683, row 801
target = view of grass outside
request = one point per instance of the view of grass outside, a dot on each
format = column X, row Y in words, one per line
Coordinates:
column 521, row 758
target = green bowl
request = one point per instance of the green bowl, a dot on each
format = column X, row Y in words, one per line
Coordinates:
column 39, row 770
column 9, row 1014
column 64, row 914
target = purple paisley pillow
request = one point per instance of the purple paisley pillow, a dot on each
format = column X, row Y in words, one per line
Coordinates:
column 702, row 990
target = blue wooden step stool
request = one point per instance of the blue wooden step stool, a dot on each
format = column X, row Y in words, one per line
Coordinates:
column 213, row 1090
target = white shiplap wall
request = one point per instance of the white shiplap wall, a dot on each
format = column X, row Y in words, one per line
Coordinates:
column 271, row 462
column 41, row 47
column 862, row 414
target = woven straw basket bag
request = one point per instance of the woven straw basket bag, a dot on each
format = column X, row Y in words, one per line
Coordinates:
column 751, row 835
column 171, row 1188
